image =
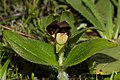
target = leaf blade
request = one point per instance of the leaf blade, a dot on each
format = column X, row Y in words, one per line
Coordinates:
column 32, row 50
column 107, row 61
column 109, row 26
column 78, row 5
column 3, row 70
column 117, row 27
column 69, row 18
column 92, row 7
column 86, row 49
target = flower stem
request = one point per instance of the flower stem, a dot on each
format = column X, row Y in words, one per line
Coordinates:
column 62, row 75
column 61, row 57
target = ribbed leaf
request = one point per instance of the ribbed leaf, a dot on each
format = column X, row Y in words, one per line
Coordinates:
column 85, row 11
column 93, row 8
column 106, row 13
column 31, row 50
column 102, row 9
column 84, row 50
column 109, row 25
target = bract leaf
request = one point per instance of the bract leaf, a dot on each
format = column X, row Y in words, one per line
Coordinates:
column 69, row 18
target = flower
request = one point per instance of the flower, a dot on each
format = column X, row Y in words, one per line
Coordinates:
column 61, row 38
column 59, row 32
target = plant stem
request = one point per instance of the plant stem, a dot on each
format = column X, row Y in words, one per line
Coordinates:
column 62, row 75
column 61, row 57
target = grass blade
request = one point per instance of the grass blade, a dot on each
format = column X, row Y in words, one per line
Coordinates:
column 3, row 71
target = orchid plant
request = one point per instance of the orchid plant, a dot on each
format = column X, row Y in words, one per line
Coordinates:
column 59, row 47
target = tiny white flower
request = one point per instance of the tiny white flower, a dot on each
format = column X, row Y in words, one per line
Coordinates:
column 61, row 38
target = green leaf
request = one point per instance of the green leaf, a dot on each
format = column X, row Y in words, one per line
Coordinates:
column 117, row 27
column 109, row 26
column 45, row 21
column 73, row 40
column 31, row 50
column 69, row 18
column 103, row 9
column 85, row 50
column 93, row 8
column 107, row 61
column 106, row 13
column 3, row 70
column 85, row 11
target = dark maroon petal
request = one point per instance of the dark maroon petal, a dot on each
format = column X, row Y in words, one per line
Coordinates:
column 55, row 27
column 52, row 28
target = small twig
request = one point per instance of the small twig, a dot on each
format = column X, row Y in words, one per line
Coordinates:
column 6, row 27
column 26, row 35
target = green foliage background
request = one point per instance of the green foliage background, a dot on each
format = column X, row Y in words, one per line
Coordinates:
column 31, row 17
